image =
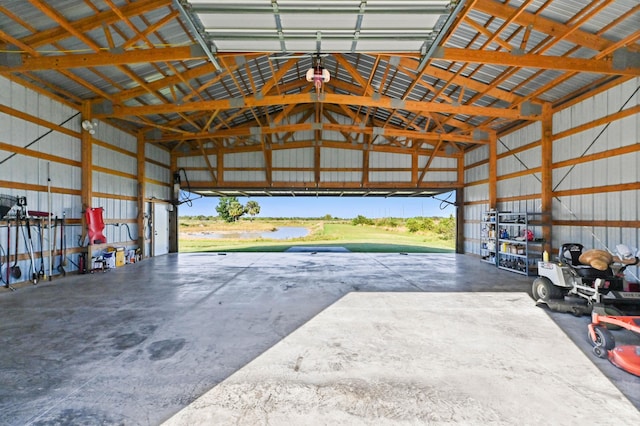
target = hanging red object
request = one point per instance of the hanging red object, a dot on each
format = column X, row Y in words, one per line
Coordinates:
column 95, row 225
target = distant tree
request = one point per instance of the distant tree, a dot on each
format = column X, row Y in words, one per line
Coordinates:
column 235, row 210
column 223, row 208
column 413, row 224
column 388, row 222
column 327, row 217
column 253, row 208
column 361, row 220
column 446, row 228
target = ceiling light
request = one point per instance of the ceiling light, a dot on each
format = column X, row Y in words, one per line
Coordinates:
column 318, row 75
column 90, row 126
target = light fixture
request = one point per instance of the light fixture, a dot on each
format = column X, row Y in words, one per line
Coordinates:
column 318, row 75
column 90, row 126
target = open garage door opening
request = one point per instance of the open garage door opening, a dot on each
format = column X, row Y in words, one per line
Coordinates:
column 383, row 223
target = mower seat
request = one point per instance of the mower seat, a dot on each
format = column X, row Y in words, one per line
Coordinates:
column 586, row 271
column 570, row 254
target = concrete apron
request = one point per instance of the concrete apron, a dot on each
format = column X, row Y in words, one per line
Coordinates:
column 390, row 358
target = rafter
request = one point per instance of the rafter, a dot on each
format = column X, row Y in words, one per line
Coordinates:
column 382, row 101
column 302, row 126
column 598, row 66
column 86, row 25
column 102, row 58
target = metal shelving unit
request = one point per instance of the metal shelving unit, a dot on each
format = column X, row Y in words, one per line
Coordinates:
column 520, row 243
column 488, row 237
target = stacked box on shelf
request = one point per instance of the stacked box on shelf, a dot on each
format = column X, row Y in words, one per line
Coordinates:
column 520, row 242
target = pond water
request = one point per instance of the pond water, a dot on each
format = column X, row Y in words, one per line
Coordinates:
column 282, row 233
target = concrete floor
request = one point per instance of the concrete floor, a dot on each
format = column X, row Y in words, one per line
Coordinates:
column 136, row 345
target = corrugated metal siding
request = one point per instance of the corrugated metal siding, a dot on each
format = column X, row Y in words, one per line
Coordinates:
column 301, row 157
column 611, row 171
column 28, row 170
column 340, row 158
column 293, row 176
column 157, row 172
column 188, row 163
column 390, row 177
column 389, row 160
column 475, row 174
column 157, row 154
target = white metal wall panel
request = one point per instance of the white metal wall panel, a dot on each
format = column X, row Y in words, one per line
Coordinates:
column 389, row 177
column 340, row 158
column 438, row 176
column 158, row 154
column 245, row 176
column 195, row 176
column 341, row 176
column 160, row 192
column 302, row 157
column 475, row 193
column 471, row 228
column 477, row 173
column 26, row 169
column 389, row 160
column 116, row 185
column 114, row 160
column 385, row 160
column 157, row 172
column 477, row 155
column 439, row 162
column 600, row 206
column 282, row 159
column 116, row 137
column 289, row 176
column 21, row 133
column 244, row 159
column 196, row 161
column 332, row 135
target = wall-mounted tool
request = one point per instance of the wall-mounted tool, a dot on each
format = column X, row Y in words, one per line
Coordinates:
column 63, row 248
column 15, row 268
column 29, row 247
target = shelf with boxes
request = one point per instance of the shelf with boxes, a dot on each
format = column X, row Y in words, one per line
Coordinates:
column 519, row 243
column 488, row 237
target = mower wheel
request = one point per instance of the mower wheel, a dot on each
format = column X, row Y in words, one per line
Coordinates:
column 604, row 338
column 543, row 289
column 600, row 352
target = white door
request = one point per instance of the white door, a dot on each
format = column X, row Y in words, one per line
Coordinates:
column 160, row 229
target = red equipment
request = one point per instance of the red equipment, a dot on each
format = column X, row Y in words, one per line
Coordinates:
column 625, row 357
column 95, row 225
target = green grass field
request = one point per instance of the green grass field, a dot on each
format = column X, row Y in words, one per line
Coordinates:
column 360, row 238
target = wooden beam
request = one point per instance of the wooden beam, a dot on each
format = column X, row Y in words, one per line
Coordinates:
column 546, row 173
column 86, row 173
column 329, row 98
column 597, row 66
column 493, row 170
column 103, row 58
column 141, row 195
column 344, row 128
column 86, row 25
column 542, row 24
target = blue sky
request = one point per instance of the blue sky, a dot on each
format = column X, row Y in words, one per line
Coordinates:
column 341, row 207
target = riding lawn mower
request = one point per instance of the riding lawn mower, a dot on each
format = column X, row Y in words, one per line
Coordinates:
column 594, row 282
column 578, row 280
